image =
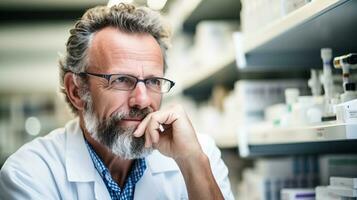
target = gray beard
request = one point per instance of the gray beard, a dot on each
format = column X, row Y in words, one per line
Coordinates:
column 119, row 140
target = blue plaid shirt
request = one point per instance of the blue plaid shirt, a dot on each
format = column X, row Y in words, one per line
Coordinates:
column 116, row 193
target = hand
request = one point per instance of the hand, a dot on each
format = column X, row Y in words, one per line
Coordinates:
column 179, row 139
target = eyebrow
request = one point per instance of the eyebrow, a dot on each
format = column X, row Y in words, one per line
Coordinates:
column 149, row 75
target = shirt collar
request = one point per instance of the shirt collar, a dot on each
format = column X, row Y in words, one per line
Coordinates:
column 137, row 170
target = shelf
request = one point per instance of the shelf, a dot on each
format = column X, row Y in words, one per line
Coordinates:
column 199, row 84
column 212, row 10
column 226, row 144
column 288, row 149
column 326, row 138
column 226, row 140
column 296, row 39
column 265, row 135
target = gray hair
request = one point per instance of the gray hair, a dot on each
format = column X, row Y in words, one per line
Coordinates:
column 124, row 17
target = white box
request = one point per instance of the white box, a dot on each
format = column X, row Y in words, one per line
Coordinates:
column 344, row 182
column 323, row 193
column 342, row 191
column 298, row 194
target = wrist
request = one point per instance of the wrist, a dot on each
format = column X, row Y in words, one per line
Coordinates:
column 192, row 161
column 199, row 178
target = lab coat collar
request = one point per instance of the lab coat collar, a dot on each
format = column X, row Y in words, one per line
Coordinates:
column 79, row 165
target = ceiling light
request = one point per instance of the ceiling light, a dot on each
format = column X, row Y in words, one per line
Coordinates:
column 156, row 4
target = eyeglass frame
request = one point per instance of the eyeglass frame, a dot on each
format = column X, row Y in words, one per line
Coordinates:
column 108, row 76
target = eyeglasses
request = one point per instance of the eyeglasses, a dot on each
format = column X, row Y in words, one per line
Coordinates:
column 128, row 82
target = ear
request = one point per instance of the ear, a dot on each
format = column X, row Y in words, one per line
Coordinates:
column 72, row 91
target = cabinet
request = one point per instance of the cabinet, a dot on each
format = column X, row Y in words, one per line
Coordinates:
column 297, row 39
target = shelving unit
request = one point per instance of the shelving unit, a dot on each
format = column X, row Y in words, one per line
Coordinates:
column 296, row 39
column 287, row 48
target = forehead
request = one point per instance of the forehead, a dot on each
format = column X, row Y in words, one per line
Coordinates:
column 112, row 50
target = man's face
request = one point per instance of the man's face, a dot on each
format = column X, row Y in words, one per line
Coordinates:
column 111, row 116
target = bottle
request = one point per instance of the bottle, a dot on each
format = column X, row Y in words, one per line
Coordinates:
column 326, row 56
column 350, row 92
column 291, row 97
column 314, row 83
column 346, row 62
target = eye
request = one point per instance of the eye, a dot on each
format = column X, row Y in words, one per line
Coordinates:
column 122, row 82
column 154, row 82
column 122, row 79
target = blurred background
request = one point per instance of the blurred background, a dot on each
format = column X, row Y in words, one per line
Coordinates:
column 249, row 73
column 32, row 35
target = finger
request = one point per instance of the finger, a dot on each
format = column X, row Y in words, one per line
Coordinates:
column 157, row 120
column 140, row 130
column 164, row 119
column 153, row 129
column 151, row 139
column 148, row 142
column 154, row 136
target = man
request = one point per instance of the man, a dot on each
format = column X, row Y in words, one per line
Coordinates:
column 121, row 146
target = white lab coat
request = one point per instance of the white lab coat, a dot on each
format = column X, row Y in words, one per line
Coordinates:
column 58, row 166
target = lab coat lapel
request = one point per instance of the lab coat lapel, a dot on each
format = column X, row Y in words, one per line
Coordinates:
column 153, row 184
column 79, row 165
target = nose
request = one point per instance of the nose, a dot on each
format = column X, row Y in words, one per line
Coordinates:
column 139, row 97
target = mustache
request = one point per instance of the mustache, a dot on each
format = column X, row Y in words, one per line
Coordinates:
column 133, row 113
column 139, row 113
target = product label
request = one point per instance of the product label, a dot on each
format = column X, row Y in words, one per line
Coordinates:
column 352, row 114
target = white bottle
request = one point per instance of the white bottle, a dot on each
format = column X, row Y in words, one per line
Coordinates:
column 326, row 56
column 291, row 97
